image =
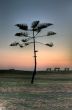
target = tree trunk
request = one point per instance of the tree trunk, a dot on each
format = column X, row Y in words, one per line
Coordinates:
column 35, row 64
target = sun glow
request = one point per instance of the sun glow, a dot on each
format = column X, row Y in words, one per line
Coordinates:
column 25, row 60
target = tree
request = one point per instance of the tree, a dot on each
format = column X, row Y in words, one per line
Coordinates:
column 36, row 28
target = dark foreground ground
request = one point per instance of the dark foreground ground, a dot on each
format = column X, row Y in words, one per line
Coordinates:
column 50, row 91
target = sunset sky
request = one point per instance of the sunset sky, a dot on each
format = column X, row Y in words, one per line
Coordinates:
column 58, row 12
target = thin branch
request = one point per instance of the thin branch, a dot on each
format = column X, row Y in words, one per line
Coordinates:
column 50, row 33
column 43, row 25
column 21, row 45
column 14, row 44
column 50, row 45
column 21, row 34
column 22, row 26
column 34, row 24
column 47, row 44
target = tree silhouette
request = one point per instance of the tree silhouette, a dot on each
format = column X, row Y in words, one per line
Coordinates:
column 36, row 28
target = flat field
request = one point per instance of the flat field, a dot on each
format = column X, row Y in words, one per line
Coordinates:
column 50, row 91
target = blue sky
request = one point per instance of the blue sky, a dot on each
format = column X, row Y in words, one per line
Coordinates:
column 58, row 12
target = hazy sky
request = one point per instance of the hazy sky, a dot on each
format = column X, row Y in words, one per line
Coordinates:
column 58, row 12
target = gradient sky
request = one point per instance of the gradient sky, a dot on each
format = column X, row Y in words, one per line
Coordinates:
column 58, row 12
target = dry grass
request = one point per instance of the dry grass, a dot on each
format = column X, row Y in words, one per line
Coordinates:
column 19, row 94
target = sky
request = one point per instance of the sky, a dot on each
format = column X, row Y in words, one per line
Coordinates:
column 58, row 12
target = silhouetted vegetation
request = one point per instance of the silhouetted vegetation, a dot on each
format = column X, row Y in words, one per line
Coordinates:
column 36, row 28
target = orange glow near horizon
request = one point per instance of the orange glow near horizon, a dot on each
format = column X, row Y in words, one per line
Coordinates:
column 53, row 59
column 25, row 59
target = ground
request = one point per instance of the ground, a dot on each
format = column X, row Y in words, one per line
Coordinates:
column 50, row 91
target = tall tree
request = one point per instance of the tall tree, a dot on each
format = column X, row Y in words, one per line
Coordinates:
column 36, row 28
